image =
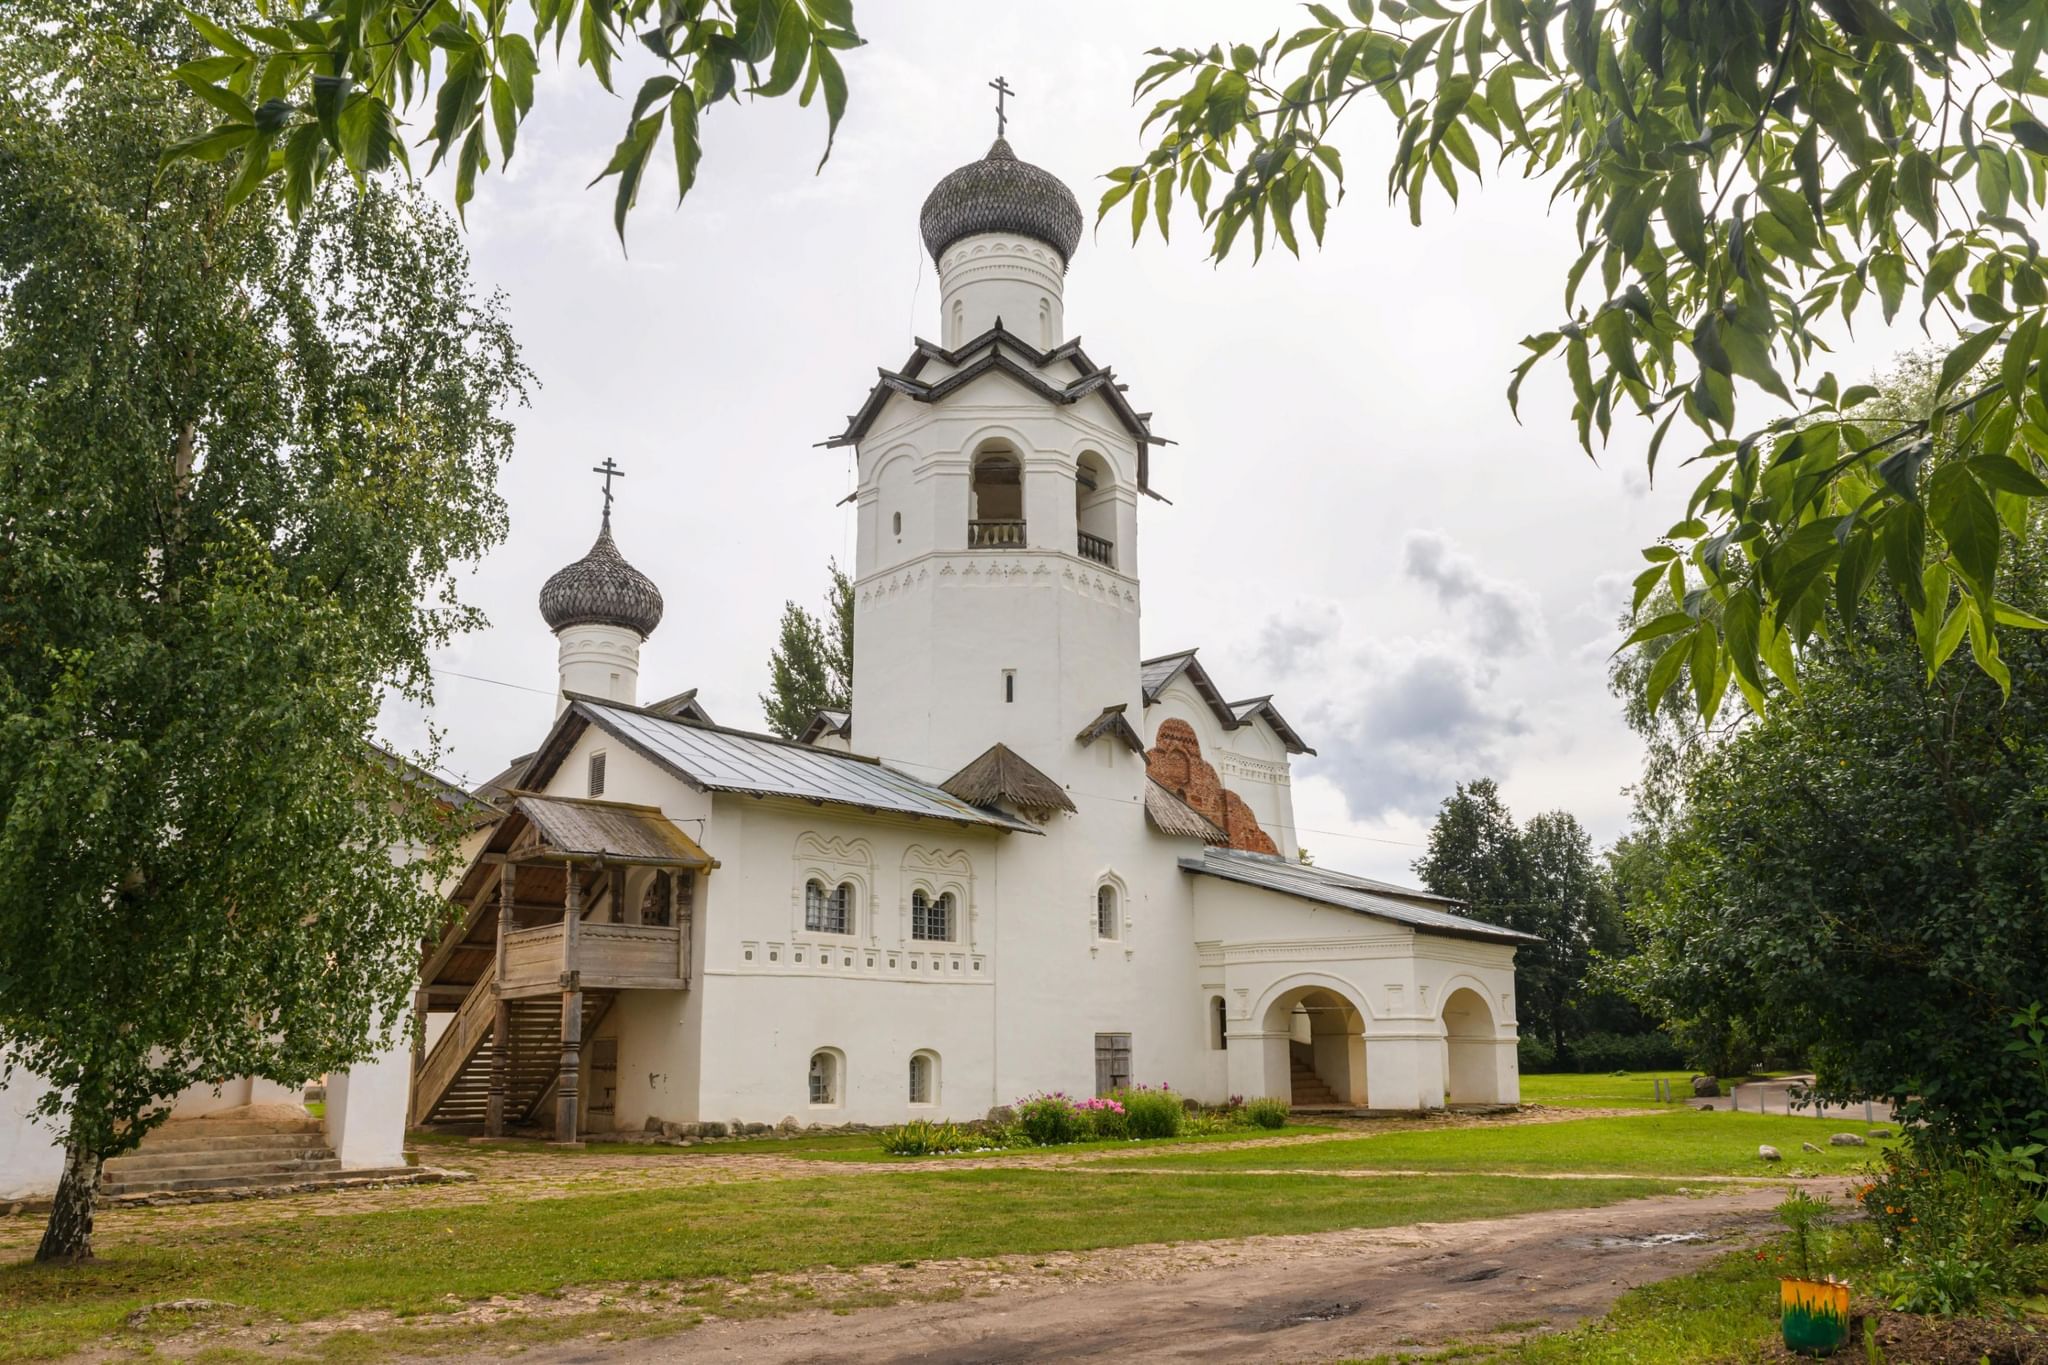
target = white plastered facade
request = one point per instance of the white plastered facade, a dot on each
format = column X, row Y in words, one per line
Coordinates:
column 1006, row 610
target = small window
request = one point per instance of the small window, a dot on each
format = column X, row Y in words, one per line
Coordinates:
column 896, row 523
column 1108, row 924
column 597, row 774
column 1219, row 1024
column 931, row 919
column 923, row 1078
column 1009, row 684
column 1112, row 1062
column 824, row 1078
column 828, row 912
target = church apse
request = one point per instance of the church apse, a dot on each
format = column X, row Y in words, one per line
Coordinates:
column 1175, row 762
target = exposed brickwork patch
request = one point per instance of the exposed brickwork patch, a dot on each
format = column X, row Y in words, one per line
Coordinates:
column 1175, row 762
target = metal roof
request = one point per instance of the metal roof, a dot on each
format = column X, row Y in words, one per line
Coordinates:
column 1154, row 675
column 611, row 830
column 1359, row 894
column 717, row 760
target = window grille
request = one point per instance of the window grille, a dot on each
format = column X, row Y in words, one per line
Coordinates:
column 828, row 912
column 931, row 919
column 920, row 1079
column 1112, row 1062
column 1106, row 925
column 823, row 1082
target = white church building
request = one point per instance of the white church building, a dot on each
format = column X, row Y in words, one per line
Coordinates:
column 1028, row 859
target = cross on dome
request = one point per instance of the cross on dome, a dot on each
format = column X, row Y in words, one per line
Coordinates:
column 610, row 470
column 1002, row 88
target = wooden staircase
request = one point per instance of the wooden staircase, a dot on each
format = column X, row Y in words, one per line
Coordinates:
column 1310, row 1091
column 454, row 1085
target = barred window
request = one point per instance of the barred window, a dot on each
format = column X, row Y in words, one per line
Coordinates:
column 824, row 1078
column 921, row 1087
column 828, row 912
column 931, row 919
column 1106, row 918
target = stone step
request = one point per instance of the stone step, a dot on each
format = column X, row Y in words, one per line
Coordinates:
column 156, row 1145
column 180, row 1129
column 300, row 1150
column 178, row 1179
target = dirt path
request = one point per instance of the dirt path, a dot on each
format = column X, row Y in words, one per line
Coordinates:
column 1313, row 1297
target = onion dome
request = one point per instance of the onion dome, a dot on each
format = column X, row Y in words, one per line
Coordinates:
column 601, row 589
column 999, row 193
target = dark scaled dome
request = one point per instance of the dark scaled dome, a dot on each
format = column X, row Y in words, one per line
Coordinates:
column 601, row 589
column 999, row 193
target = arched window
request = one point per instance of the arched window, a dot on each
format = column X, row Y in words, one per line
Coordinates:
column 924, row 1078
column 1095, row 509
column 1108, row 923
column 896, row 523
column 824, row 1077
column 958, row 323
column 1219, row 1023
column 1045, row 336
column 931, row 919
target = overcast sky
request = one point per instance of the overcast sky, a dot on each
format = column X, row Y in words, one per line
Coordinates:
column 1357, row 523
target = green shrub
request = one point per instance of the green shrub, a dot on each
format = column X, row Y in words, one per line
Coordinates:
column 1152, row 1113
column 1267, row 1113
column 1963, row 1229
column 1106, row 1119
column 923, row 1137
column 1051, row 1120
column 1602, row 1052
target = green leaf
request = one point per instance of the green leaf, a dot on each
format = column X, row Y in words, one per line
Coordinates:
column 1965, row 357
column 792, row 45
column 2007, row 475
column 1670, row 623
column 682, row 122
column 833, row 80
column 505, row 115
column 1915, row 184
column 518, row 63
column 1964, row 516
column 1664, row 672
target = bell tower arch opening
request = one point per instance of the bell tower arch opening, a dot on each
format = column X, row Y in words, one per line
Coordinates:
column 995, row 497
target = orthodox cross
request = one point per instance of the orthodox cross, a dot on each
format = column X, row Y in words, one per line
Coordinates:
column 611, row 471
column 1002, row 88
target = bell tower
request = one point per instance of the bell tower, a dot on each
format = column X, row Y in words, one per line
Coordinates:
column 1000, row 471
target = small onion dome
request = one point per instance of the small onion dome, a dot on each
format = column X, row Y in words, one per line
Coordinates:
column 601, row 589
column 999, row 193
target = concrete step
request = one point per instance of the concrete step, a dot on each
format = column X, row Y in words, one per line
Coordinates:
column 178, row 1130
column 180, row 1179
column 226, row 1142
column 250, row 1159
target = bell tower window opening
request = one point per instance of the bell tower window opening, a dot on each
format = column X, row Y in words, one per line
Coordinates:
column 996, row 500
column 1095, row 510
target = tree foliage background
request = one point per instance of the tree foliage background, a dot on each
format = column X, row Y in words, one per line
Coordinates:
column 811, row 667
column 239, row 461
column 1856, row 876
column 1542, row 878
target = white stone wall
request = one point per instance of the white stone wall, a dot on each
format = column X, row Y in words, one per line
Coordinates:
column 994, row 275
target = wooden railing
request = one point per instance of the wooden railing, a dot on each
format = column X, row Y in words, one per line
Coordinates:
column 459, row 1042
column 604, row 953
column 1102, row 551
column 994, row 533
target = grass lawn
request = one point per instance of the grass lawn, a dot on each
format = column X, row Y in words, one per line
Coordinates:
column 408, row 1260
column 837, row 1146
column 1683, row 1142
column 1629, row 1090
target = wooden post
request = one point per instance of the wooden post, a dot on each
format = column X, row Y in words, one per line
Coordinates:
column 621, row 912
column 568, row 1078
column 501, row 1020
column 572, row 915
column 683, row 910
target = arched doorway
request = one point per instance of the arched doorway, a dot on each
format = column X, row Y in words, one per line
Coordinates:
column 1324, row 1038
column 1471, row 1048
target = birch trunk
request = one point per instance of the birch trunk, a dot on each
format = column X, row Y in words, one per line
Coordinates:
column 68, row 1238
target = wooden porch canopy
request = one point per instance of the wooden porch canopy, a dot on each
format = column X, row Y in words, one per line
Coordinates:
column 547, row 839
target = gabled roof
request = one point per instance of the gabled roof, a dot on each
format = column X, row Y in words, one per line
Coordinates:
column 827, row 722
column 1155, row 674
column 1263, row 706
column 499, row 783
column 1001, row 351
column 1170, row 815
column 1359, row 894
column 1001, row 777
column 1114, row 724
column 714, row 759
column 684, row 706
column 614, row 831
